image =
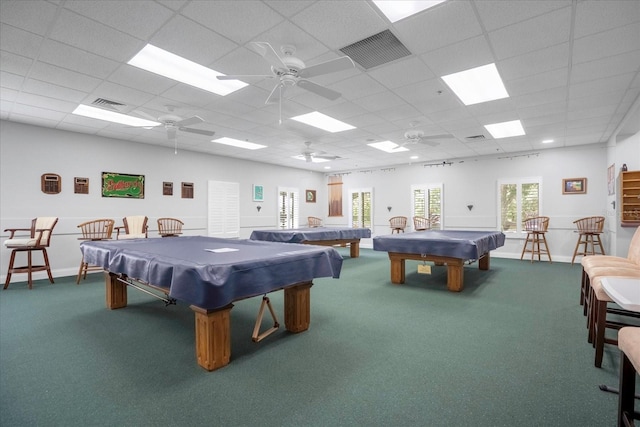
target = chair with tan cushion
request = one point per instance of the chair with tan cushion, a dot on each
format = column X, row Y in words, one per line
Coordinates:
column 398, row 224
column 589, row 230
column 99, row 229
column 421, row 223
column 314, row 221
column 135, row 227
column 170, row 227
column 629, row 345
column 38, row 239
column 536, row 229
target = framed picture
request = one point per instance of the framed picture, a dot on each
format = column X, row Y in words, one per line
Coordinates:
column 122, row 185
column 574, row 186
column 258, row 193
column 310, row 195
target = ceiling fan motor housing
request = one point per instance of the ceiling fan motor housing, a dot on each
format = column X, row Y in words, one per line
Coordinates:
column 413, row 134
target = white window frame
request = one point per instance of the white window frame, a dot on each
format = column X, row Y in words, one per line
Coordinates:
column 350, row 199
column 426, row 188
column 519, row 231
column 292, row 217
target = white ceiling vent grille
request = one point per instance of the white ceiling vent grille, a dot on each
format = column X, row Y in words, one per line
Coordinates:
column 109, row 105
column 376, row 50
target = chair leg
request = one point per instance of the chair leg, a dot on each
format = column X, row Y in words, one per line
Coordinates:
column 29, row 267
column 575, row 251
column 546, row 248
column 46, row 263
column 82, row 267
column 627, row 389
column 10, row 270
column 600, row 326
column 599, row 241
column 524, row 248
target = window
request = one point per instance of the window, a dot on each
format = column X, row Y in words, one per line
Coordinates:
column 427, row 203
column 288, row 211
column 361, row 208
column 518, row 199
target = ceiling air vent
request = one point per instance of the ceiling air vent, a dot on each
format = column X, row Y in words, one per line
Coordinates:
column 376, row 50
column 475, row 137
column 109, row 105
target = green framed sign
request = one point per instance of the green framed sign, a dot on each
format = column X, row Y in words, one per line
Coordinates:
column 122, row 185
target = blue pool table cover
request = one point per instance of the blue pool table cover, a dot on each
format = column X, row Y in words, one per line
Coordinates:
column 210, row 272
column 299, row 235
column 462, row 244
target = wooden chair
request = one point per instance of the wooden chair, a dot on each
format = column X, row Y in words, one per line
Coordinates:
column 314, row 221
column 169, row 227
column 38, row 240
column 135, row 227
column 536, row 229
column 99, row 229
column 398, row 224
column 421, row 223
column 589, row 230
column 629, row 345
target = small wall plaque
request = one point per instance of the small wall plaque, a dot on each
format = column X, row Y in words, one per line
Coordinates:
column 167, row 188
column 187, row 190
column 81, row 185
column 51, row 183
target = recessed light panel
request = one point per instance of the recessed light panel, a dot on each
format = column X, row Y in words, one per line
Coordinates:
column 505, row 129
column 238, row 143
column 388, row 147
column 112, row 116
column 476, row 85
column 396, row 10
column 175, row 67
column 322, row 121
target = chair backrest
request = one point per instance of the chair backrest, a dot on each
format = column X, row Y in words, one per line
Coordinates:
column 590, row 224
column 537, row 224
column 135, row 225
column 45, row 223
column 98, row 229
column 169, row 226
column 314, row 221
column 398, row 222
column 421, row 223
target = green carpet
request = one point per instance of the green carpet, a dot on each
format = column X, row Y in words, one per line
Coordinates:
column 509, row 350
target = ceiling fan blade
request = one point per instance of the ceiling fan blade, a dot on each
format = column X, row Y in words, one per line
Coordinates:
column 443, row 136
column 326, row 157
column 240, row 77
column 265, row 50
column 276, row 94
column 430, row 143
column 332, row 66
column 198, row 131
column 190, row 121
column 319, row 90
column 171, row 133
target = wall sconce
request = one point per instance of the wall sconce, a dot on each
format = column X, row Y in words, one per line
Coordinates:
column 469, row 207
column 389, row 208
column 258, row 207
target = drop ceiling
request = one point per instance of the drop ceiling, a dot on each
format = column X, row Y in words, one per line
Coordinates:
column 571, row 68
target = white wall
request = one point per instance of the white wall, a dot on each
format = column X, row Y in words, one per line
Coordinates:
column 626, row 151
column 26, row 152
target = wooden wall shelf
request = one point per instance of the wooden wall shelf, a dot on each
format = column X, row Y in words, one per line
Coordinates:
column 630, row 199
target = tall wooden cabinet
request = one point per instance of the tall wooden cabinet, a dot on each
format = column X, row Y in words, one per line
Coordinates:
column 630, row 198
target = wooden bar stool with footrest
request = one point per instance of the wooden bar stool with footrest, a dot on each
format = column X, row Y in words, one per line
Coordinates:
column 38, row 240
column 536, row 229
column 135, row 227
column 589, row 230
column 421, row 223
column 169, row 227
column 98, row 229
column 314, row 221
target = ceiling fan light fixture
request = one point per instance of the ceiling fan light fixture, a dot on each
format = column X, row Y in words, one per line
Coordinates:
column 476, row 85
column 311, row 159
column 322, row 121
column 112, row 116
column 167, row 64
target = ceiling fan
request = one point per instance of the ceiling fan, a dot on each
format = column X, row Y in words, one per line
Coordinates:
column 417, row 136
column 173, row 123
column 309, row 155
column 291, row 71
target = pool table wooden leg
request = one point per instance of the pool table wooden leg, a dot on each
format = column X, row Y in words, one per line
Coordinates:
column 484, row 262
column 397, row 268
column 297, row 307
column 213, row 337
column 116, row 292
column 354, row 248
column 455, row 276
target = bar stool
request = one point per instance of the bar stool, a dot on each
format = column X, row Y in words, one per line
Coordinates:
column 629, row 345
column 98, row 229
column 589, row 230
column 536, row 229
column 398, row 224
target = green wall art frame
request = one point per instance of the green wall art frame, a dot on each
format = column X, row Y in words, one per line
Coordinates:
column 122, row 185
